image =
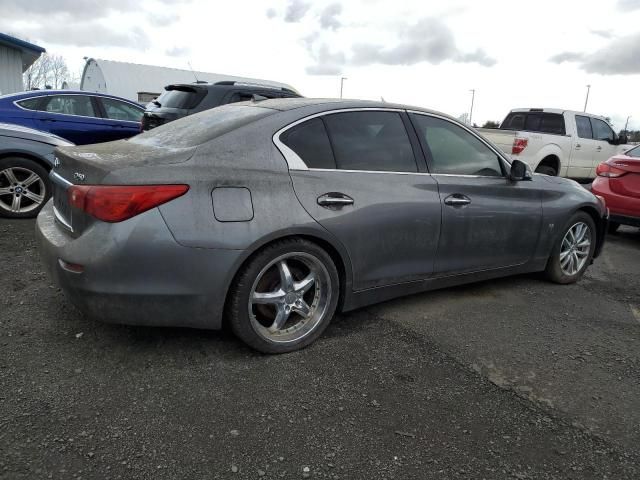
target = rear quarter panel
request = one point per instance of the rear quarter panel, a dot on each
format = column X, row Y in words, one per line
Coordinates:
column 19, row 147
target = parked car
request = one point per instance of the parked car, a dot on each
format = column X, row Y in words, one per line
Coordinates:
column 557, row 142
column 180, row 100
column 276, row 214
column 618, row 182
column 79, row 117
column 26, row 157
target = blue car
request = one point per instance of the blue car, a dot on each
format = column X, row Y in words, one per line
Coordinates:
column 77, row 116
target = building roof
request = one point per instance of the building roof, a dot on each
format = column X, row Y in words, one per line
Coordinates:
column 29, row 51
column 127, row 79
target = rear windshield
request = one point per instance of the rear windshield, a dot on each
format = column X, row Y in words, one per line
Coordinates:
column 634, row 152
column 197, row 129
column 535, row 122
column 184, row 98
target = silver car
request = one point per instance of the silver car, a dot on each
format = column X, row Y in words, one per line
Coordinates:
column 271, row 216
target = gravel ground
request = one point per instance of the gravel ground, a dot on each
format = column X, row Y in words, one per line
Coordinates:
column 515, row 378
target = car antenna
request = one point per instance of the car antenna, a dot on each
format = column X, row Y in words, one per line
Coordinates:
column 192, row 71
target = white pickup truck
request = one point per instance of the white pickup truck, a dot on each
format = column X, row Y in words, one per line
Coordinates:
column 557, row 142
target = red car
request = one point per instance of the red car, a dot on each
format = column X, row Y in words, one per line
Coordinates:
column 618, row 181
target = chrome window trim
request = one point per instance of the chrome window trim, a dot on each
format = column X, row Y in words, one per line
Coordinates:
column 404, row 173
column 292, row 158
column 16, row 103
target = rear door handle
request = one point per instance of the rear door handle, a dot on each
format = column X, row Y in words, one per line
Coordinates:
column 457, row 200
column 334, row 199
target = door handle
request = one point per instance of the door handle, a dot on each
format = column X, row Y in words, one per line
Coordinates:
column 598, row 148
column 334, row 199
column 457, row 200
column 578, row 145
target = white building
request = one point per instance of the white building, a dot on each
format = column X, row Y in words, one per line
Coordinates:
column 15, row 57
column 142, row 83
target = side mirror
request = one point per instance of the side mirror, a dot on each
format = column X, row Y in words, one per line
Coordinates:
column 519, row 171
column 622, row 139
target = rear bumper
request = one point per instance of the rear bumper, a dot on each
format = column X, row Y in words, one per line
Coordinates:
column 135, row 273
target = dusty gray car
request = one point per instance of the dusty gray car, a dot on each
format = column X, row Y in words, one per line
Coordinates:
column 26, row 157
column 274, row 215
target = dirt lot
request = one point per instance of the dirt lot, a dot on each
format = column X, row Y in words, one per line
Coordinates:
column 515, row 378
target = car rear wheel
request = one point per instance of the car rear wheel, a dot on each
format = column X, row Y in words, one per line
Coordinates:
column 285, row 297
column 573, row 251
column 24, row 187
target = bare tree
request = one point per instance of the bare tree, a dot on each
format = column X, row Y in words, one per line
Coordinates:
column 49, row 71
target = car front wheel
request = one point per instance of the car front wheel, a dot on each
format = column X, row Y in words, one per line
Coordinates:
column 24, row 187
column 285, row 297
column 573, row 251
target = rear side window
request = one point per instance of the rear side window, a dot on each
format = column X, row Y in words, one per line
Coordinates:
column 310, row 142
column 376, row 141
column 584, row 127
column 117, row 110
column 80, row 105
column 184, row 98
column 30, row 103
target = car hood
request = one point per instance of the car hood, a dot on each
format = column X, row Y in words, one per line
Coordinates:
column 17, row 131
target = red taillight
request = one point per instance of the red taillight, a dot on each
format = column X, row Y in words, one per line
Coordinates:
column 115, row 203
column 519, row 144
column 606, row 170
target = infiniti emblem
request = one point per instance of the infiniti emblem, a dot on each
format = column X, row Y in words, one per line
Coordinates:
column 79, row 176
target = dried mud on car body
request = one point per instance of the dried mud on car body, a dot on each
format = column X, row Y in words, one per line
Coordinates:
column 372, row 399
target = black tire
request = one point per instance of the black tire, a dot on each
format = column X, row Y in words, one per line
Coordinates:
column 554, row 271
column 21, row 169
column 613, row 227
column 245, row 325
column 546, row 170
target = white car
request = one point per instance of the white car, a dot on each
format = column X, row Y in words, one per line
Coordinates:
column 557, row 142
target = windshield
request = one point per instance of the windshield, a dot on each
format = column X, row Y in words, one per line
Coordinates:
column 197, row 129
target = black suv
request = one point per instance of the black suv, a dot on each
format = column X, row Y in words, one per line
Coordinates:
column 182, row 99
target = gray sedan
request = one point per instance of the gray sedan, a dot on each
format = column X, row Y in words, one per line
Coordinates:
column 26, row 157
column 271, row 216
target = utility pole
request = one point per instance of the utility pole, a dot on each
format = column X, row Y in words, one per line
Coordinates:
column 626, row 124
column 342, row 79
column 586, row 99
column 473, row 96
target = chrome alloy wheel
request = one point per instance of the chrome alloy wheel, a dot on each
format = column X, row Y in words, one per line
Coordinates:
column 575, row 248
column 289, row 297
column 21, row 190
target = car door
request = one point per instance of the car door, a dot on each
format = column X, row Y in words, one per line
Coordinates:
column 604, row 144
column 356, row 173
column 488, row 221
column 121, row 119
column 73, row 117
column 583, row 149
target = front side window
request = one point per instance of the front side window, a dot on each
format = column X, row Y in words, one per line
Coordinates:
column 117, row 110
column 71, row 105
column 310, row 142
column 455, row 151
column 370, row 140
column 602, row 131
column 584, row 127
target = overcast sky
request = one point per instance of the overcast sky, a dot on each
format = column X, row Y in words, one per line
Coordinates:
column 539, row 53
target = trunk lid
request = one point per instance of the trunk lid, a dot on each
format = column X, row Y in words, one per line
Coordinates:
column 96, row 165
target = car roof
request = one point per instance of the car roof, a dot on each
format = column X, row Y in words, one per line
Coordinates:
column 231, row 85
column 45, row 92
column 559, row 111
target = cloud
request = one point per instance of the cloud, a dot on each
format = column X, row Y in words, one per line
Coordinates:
column 429, row 40
column 619, row 57
column 328, row 17
column 602, row 33
column 567, row 57
column 326, row 62
column 86, row 34
column 271, row 13
column 628, row 4
column 178, row 51
column 296, row 10
column 163, row 20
